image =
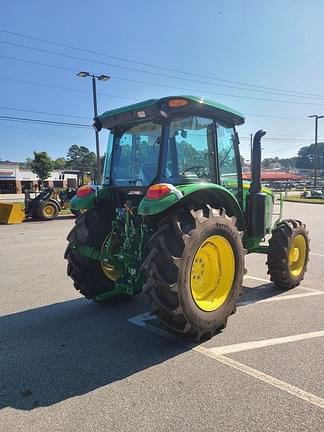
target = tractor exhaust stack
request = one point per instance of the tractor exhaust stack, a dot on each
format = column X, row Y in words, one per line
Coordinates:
column 256, row 200
column 255, row 186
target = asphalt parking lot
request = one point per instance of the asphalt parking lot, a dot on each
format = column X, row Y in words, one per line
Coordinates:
column 67, row 364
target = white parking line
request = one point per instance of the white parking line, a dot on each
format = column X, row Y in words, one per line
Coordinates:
column 311, row 289
column 142, row 320
column 275, row 382
column 311, row 292
column 246, row 346
column 316, row 254
column 257, row 278
column 269, row 282
column 281, row 297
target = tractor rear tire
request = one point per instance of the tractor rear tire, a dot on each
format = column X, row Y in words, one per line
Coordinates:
column 46, row 210
column 288, row 254
column 91, row 229
column 195, row 269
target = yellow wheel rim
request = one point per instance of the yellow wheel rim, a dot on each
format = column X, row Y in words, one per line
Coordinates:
column 212, row 273
column 110, row 271
column 297, row 255
column 49, row 210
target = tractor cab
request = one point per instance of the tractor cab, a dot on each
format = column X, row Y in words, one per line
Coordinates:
column 175, row 140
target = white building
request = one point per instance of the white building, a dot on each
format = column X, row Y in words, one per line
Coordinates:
column 15, row 179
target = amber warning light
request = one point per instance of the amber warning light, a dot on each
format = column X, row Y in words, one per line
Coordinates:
column 176, row 103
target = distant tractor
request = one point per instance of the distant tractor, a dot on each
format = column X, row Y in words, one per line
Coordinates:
column 48, row 203
column 43, row 207
column 174, row 219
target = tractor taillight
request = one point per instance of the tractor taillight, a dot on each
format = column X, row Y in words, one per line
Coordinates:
column 84, row 191
column 157, row 191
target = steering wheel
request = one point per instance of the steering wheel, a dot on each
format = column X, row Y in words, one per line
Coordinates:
column 196, row 168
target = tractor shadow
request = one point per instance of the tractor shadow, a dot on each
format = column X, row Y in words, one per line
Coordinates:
column 58, row 218
column 258, row 293
column 56, row 352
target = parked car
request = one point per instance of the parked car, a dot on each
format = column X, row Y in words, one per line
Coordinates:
column 313, row 193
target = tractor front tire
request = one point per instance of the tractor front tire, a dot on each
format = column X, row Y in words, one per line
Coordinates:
column 91, row 229
column 47, row 210
column 195, row 269
column 288, row 254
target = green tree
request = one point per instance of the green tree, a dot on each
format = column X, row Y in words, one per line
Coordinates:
column 284, row 162
column 41, row 165
column 28, row 162
column 306, row 155
column 59, row 163
column 288, row 162
column 81, row 158
column 267, row 162
column 189, row 156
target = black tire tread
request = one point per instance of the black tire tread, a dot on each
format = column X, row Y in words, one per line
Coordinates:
column 90, row 229
column 161, row 266
column 39, row 210
column 277, row 262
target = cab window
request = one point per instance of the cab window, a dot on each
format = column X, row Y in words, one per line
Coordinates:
column 227, row 160
column 190, row 150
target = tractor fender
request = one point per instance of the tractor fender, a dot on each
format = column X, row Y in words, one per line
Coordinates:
column 199, row 193
column 56, row 202
column 87, row 195
column 83, row 202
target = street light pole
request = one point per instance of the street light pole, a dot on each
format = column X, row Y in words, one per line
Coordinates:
column 316, row 117
column 95, row 112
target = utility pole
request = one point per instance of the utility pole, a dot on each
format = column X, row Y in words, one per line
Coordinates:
column 95, row 111
column 316, row 117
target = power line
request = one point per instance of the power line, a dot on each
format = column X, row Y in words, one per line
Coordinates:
column 277, row 117
column 274, row 93
column 39, row 63
column 60, row 87
column 44, row 112
column 58, row 138
column 155, row 66
column 199, row 91
column 108, row 95
column 116, row 96
column 48, row 122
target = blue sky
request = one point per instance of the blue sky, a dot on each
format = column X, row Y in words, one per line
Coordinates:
column 273, row 44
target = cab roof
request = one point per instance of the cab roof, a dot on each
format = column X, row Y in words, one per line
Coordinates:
column 152, row 107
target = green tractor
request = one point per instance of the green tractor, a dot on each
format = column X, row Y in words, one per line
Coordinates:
column 174, row 219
